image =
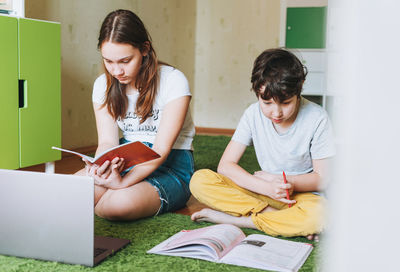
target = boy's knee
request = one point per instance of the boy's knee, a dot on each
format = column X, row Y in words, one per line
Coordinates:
column 303, row 219
column 201, row 179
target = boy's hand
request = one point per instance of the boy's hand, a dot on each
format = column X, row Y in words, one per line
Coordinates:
column 276, row 189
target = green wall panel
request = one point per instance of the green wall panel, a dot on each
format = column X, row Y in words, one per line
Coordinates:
column 9, row 93
column 306, row 27
column 40, row 116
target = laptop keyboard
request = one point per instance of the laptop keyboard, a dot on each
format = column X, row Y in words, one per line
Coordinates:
column 98, row 251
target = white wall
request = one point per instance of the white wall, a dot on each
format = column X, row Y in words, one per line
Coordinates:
column 213, row 42
column 230, row 34
column 170, row 23
column 363, row 232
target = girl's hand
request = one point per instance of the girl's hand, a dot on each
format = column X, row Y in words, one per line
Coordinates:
column 105, row 169
column 106, row 173
column 90, row 168
column 112, row 181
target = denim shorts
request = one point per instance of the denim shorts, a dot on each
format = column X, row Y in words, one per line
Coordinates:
column 171, row 179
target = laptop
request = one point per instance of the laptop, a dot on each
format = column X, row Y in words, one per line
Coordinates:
column 51, row 217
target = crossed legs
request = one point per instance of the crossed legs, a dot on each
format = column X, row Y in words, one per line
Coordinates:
column 137, row 201
column 235, row 205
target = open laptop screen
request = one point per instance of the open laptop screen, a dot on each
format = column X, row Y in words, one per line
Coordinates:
column 47, row 216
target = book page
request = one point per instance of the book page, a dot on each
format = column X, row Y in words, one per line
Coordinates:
column 214, row 241
column 265, row 252
column 221, row 238
column 133, row 153
column 196, row 251
column 74, row 152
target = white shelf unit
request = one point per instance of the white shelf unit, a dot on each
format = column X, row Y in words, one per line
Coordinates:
column 13, row 7
column 314, row 59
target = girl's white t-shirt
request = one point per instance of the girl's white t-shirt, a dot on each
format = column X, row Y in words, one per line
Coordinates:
column 173, row 84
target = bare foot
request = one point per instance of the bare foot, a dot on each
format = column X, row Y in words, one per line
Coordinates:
column 217, row 217
column 313, row 237
column 213, row 216
column 209, row 215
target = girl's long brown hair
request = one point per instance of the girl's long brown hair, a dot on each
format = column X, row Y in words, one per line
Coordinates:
column 123, row 26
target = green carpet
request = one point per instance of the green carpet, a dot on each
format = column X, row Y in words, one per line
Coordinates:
column 208, row 150
column 144, row 234
column 148, row 232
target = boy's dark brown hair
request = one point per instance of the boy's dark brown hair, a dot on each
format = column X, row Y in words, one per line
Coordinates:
column 281, row 72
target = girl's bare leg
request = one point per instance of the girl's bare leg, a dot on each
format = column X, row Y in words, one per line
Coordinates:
column 98, row 190
column 137, row 201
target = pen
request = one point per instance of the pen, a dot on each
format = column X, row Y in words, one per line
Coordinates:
column 287, row 190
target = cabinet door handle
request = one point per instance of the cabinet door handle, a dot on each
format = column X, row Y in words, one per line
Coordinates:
column 22, row 93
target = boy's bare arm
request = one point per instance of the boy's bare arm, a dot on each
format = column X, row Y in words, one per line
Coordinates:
column 229, row 167
column 314, row 181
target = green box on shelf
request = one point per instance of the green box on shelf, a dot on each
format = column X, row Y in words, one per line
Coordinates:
column 306, row 27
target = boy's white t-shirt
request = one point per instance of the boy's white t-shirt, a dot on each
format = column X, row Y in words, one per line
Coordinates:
column 173, row 84
column 309, row 137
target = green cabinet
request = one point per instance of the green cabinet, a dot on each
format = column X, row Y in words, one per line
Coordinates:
column 305, row 27
column 9, row 150
column 30, row 92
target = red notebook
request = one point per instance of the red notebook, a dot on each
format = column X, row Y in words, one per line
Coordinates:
column 133, row 153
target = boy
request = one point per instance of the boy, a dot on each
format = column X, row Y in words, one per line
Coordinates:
column 290, row 134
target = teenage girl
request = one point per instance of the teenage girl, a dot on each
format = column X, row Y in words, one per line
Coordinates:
column 148, row 101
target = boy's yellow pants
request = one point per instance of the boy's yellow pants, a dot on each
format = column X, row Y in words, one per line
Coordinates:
column 222, row 194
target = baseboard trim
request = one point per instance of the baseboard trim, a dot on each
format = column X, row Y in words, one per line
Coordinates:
column 214, row 131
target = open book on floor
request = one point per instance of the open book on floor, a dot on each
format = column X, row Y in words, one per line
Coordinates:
column 228, row 244
column 133, row 153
